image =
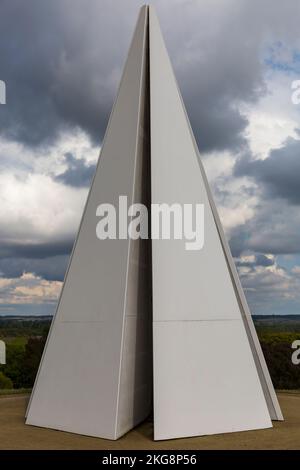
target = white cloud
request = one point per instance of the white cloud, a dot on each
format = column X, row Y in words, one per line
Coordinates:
column 28, row 289
column 296, row 270
column 47, row 160
column 218, row 164
column 36, row 209
column 270, row 289
column 274, row 117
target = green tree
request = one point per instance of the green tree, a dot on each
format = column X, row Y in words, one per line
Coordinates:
column 33, row 353
column 5, row 382
column 278, row 355
column 13, row 369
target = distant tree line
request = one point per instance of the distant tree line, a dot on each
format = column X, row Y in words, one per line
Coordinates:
column 22, row 362
column 278, row 353
column 11, row 328
column 23, row 354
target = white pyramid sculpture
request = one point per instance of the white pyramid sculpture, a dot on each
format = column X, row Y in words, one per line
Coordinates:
column 142, row 318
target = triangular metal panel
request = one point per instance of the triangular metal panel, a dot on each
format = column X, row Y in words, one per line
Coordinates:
column 205, row 376
column 89, row 381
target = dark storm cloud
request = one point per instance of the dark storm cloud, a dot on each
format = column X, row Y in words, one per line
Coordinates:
column 217, row 55
column 220, row 128
column 78, row 174
column 236, row 242
column 47, row 260
column 259, row 260
column 278, row 174
column 51, row 269
column 221, row 75
column 273, row 229
column 262, row 260
column 62, row 60
column 37, row 250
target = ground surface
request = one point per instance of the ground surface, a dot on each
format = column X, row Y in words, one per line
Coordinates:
column 14, row 434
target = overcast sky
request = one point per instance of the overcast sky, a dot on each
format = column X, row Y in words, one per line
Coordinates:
column 234, row 60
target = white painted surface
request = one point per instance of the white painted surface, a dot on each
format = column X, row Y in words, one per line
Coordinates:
column 205, row 380
column 196, row 314
column 2, row 352
column 85, row 384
